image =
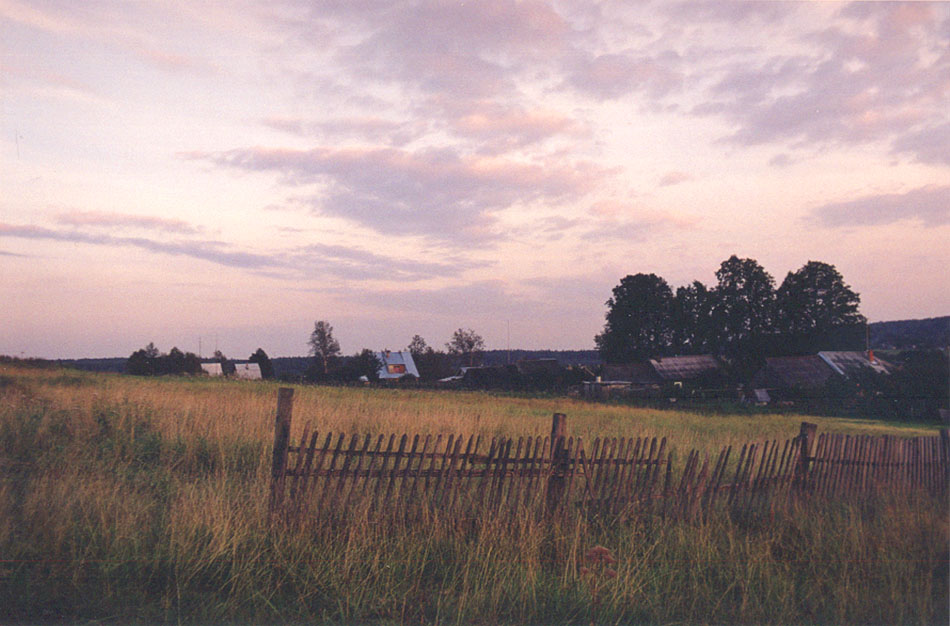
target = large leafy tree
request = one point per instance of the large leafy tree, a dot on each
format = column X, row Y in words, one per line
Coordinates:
column 150, row 362
column 743, row 308
column 323, row 346
column 816, row 309
column 638, row 320
column 693, row 332
column 364, row 363
column 263, row 361
column 467, row 344
column 417, row 345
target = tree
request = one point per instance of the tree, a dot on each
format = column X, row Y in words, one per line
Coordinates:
column 417, row 346
column 227, row 367
column 323, row 346
column 150, row 362
column 638, row 320
column 816, row 309
column 691, row 319
column 365, row 363
column 140, row 363
column 743, row 304
column 466, row 343
column 150, row 351
column 263, row 361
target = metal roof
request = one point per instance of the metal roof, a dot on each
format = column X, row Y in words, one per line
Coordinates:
column 673, row 368
column 849, row 363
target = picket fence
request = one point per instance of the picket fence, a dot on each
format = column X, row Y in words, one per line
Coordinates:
column 331, row 474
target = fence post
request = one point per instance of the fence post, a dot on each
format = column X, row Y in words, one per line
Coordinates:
column 558, row 461
column 806, row 437
column 285, row 409
column 944, row 462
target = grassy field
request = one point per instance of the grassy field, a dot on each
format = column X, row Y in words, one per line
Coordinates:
column 144, row 500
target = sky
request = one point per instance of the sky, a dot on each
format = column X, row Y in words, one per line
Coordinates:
column 207, row 175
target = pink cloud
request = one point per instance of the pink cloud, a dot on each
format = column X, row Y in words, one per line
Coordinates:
column 674, row 178
column 929, row 205
column 120, row 220
column 510, row 126
column 436, row 192
column 614, row 75
column 878, row 74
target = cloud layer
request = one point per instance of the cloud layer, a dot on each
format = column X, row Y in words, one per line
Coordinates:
column 460, row 159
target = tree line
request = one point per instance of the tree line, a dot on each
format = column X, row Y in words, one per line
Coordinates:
column 150, row 361
column 465, row 348
column 742, row 318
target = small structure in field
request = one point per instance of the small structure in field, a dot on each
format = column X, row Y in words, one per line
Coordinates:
column 396, row 364
column 599, row 389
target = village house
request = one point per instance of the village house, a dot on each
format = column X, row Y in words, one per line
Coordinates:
column 396, row 364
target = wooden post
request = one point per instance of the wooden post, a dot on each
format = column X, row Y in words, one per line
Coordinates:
column 944, row 461
column 558, row 461
column 806, row 436
column 285, row 409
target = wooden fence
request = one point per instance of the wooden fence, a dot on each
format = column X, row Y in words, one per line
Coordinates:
column 332, row 474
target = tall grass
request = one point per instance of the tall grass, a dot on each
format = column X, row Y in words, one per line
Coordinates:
column 145, row 500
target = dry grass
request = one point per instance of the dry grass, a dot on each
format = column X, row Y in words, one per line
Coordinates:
column 144, row 500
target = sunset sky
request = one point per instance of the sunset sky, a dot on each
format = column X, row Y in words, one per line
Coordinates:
column 234, row 171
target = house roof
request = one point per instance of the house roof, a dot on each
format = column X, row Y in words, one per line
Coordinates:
column 850, row 363
column 638, row 373
column 396, row 364
column 673, row 368
column 795, row 371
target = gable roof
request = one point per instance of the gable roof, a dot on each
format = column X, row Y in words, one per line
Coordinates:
column 807, row 372
column 850, row 363
column 641, row 373
column 674, row 368
column 396, row 365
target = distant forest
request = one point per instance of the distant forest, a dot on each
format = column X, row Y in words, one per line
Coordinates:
column 923, row 334
column 929, row 333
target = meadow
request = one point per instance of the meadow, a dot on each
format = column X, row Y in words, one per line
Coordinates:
column 144, row 500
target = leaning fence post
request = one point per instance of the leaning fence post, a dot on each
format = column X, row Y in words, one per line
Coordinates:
column 558, row 461
column 285, row 409
column 806, row 436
